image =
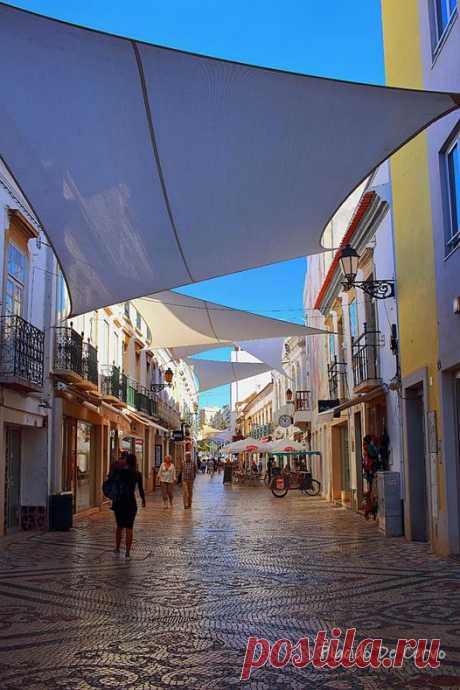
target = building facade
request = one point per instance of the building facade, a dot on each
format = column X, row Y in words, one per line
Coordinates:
column 73, row 393
column 354, row 372
column 27, row 268
column 422, row 50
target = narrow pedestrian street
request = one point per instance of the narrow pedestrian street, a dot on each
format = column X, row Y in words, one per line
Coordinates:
column 200, row 582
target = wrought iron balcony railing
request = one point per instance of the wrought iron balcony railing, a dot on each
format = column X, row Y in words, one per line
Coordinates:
column 116, row 384
column 68, row 353
column 89, row 363
column 167, row 414
column 303, row 401
column 145, row 402
column 111, row 381
column 338, row 384
column 365, row 350
column 261, row 430
column 22, row 349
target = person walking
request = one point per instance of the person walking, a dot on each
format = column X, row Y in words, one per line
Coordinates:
column 167, row 479
column 125, row 478
column 188, row 477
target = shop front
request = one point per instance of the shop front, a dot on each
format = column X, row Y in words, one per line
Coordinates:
column 82, row 461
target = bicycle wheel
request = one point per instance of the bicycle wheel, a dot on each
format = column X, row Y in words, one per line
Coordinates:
column 279, row 487
column 314, row 489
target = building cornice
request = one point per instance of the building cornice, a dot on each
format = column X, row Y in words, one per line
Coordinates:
column 367, row 216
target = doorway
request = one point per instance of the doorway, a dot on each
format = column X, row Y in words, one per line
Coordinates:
column 359, row 458
column 417, row 483
column 13, row 479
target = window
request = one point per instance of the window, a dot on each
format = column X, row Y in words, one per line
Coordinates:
column 331, row 346
column 105, row 343
column 15, row 281
column 453, row 195
column 443, row 13
column 353, row 311
column 116, row 349
column 138, row 321
column 62, row 302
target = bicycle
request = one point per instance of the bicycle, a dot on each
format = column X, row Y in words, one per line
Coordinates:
column 281, row 484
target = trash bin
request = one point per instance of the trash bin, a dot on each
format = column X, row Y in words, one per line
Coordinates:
column 61, row 511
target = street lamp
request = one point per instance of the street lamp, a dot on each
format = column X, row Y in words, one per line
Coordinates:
column 168, row 376
column 378, row 289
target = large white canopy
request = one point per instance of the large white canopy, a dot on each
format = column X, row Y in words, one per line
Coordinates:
column 179, row 321
column 211, row 373
column 150, row 168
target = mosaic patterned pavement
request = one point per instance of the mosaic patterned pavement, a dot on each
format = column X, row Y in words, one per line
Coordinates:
column 177, row 615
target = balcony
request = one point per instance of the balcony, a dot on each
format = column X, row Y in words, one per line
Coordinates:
column 21, row 354
column 89, row 364
column 365, row 356
column 74, row 360
column 145, row 401
column 302, row 408
column 260, row 431
column 111, row 386
column 338, row 384
column 167, row 414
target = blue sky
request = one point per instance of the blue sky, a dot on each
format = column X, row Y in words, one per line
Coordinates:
column 338, row 38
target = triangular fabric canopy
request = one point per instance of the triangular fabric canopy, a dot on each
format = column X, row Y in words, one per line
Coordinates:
column 211, row 374
column 268, row 350
column 223, row 436
column 151, row 168
column 179, row 320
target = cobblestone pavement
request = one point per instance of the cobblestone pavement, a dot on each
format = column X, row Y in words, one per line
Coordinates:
column 241, row 562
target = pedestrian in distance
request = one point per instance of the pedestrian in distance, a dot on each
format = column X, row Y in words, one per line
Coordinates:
column 167, row 479
column 121, row 488
column 188, row 477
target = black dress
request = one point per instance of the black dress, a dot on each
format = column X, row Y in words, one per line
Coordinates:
column 125, row 506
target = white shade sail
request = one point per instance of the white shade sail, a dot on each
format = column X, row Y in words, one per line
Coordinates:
column 151, row 168
column 179, row 321
column 267, row 350
column 211, row 374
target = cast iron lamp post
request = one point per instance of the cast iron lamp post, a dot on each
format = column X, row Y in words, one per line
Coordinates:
column 378, row 289
column 158, row 387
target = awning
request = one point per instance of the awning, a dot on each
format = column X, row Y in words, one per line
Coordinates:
column 151, row 168
column 211, row 374
column 365, row 397
column 189, row 324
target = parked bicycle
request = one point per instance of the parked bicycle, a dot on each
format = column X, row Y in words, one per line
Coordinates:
column 301, row 480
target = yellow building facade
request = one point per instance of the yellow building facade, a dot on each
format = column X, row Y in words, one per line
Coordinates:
column 425, row 508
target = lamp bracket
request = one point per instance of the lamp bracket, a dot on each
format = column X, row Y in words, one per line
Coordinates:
column 377, row 289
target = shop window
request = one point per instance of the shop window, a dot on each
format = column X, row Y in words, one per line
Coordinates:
column 85, row 469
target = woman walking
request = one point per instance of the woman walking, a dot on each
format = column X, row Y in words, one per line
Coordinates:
column 167, row 479
column 125, row 479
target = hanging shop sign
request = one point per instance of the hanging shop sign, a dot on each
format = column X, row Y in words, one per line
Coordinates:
column 325, row 405
column 178, row 435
